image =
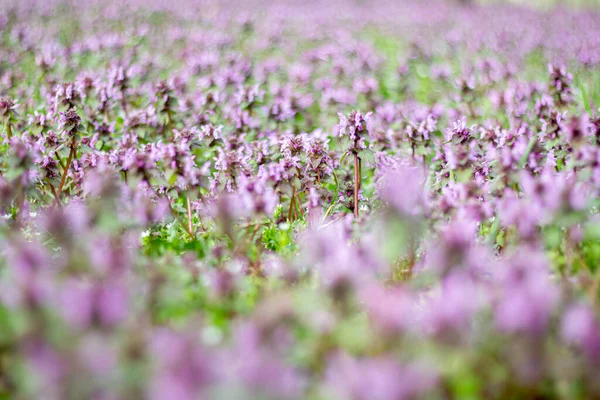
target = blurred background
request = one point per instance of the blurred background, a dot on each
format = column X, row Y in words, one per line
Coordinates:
column 539, row 4
column 547, row 3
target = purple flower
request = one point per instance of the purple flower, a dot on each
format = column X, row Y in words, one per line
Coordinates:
column 393, row 310
column 375, row 378
column 403, row 188
column 581, row 328
column 354, row 127
column 529, row 296
column 84, row 303
column 70, row 121
column 7, row 108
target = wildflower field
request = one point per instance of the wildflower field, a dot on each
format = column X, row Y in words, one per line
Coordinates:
column 354, row 200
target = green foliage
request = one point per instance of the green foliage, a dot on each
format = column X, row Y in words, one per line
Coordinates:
column 173, row 238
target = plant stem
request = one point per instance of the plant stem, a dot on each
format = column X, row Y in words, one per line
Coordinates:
column 292, row 203
column 356, row 183
column 124, row 104
column 327, row 212
column 8, row 130
column 55, row 194
column 299, row 206
column 60, row 161
column 189, row 210
column 66, row 171
column 169, row 123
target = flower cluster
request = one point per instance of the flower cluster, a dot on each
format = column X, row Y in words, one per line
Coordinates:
column 192, row 206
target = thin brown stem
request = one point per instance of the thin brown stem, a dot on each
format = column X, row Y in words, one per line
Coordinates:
column 254, row 231
column 189, row 210
column 356, row 183
column 55, row 194
column 60, row 160
column 292, row 203
column 295, row 208
column 66, row 171
column 298, row 205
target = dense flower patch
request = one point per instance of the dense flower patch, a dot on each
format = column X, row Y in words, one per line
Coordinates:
column 302, row 200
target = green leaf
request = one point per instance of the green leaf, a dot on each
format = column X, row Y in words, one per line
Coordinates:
column 367, row 156
column 592, row 231
column 584, row 97
column 494, row 231
column 344, row 157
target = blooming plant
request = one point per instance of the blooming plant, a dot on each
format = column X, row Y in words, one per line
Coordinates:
column 193, row 206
